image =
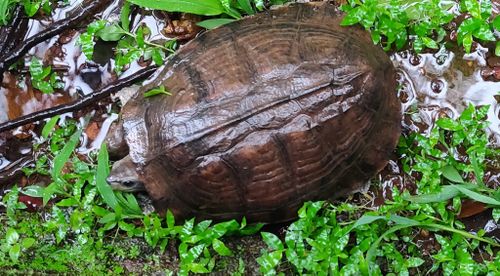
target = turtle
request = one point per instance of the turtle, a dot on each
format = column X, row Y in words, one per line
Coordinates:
column 266, row 113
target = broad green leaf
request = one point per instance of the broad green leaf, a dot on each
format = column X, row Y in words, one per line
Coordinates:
column 47, row 129
column 450, row 173
column 11, row 236
column 449, row 124
column 67, row 202
column 430, row 43
column 214, row 23
column 27, row 242
column 43, row 86
column 170, row 219
column 353, row 16
column 367, row 219
column 415, row 262
column 63, row 156
column 496, row 215
column 113, row 32
column 484, row 33
column 497, row 49
column 197, row 268
column 269, row 261
column 467, row 42
column 447, row 192
column 477, row 196
column 35, row 68
column 402, row 220
column 246, row 6
column 15, row 252
column 33, row 191
column 125, row 16
column 472, row 6
column 272, row 241
column 102, row 173
column 161, row 90
column 221, row 248
column 205, row 7
column 4, row 8
column 194, row 253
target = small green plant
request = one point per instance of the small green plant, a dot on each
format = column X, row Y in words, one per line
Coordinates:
column 394, row 23
column 131, row 45
column 31, row 7
column 42, row 78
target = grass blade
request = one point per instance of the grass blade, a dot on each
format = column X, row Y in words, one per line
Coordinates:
column 478, row 197
column 204, row 7
column 65, row 154
column 214, row 23
column 102, row 173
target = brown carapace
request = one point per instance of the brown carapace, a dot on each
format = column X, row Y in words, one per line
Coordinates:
column 267, row 112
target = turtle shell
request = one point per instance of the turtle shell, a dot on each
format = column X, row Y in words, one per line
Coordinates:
column 266, row 113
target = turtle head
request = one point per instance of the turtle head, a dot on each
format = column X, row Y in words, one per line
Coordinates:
column 124, row 176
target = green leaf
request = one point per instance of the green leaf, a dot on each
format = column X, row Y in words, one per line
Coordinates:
column 170, row 219
column 161, row 90
column 27, row 243
column 272, row 241
column 67, row 202
column 140, row 37
column 205, row 7
column 221, row 248
column 467, row 42
column 415, row 262
column 429, row 43
column 113, row 32
column 4, row 9
column 33, row 191
column 49, row 126
column 450, row 173
column 214, row 23
column 497, row 49
column 484, row 33
column 367, row 219
column 43, row 86
column 472, row 6
column 63, row 156
column 477, row 196
column 125, row 16
column 496, row 23
column 193, row 253
column 269, row 261
column 102, row 173
column 246, row 6
column 496, row 215
column 11, row 236
column 447, row 192
column 36, row 69
column 15, row 252
column 449, row 124
column 353, row 16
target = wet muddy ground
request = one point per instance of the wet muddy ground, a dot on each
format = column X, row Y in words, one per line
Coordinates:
column 432, row 85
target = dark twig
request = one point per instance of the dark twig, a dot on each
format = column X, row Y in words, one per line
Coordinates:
column 14, row 169
column 80, row 103
column 74, row 19
column 13, row 34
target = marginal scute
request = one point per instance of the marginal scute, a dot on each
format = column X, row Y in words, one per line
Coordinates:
column 267, row 112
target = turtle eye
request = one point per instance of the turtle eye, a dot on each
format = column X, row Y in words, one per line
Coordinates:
column 129, row 184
